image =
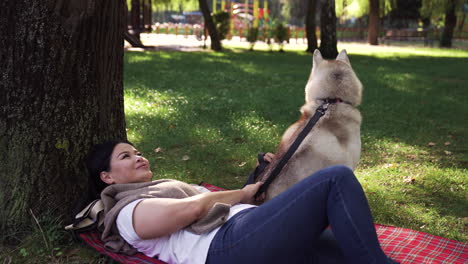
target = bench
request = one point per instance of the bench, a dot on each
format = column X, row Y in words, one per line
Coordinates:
column 408, row 35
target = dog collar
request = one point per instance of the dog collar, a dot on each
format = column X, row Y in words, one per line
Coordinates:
column 333, row 101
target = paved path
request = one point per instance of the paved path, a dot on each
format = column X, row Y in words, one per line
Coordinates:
column 168, row 42
column 190, row 43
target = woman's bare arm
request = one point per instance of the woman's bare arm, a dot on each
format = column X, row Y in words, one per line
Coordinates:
column 158, row 217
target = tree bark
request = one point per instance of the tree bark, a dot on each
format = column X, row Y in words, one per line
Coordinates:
column 61, row 92
column 374, row 17
column 462, row 23
column 450, row 23
column 310, row 26
column 328, row 30
column 147, row 15
column 135, row 13
column 210, row 26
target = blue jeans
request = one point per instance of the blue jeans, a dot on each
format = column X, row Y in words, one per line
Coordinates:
column 289, row 228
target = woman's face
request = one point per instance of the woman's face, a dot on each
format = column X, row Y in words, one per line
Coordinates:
column 127, row 165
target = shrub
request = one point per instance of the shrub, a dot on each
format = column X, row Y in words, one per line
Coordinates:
column 252, row 36
column 280, row 34
column 221, row 20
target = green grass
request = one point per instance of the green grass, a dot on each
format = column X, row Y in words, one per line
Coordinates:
column 219, row 110
column 204, row 117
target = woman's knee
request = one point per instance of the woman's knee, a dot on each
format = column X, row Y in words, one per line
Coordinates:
column 336, row 171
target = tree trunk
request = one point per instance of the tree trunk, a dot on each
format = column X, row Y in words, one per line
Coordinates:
column 374, row 17
column 210, row 26
column 462, row 23
column 310, row 26
column 450, row 23
column 61, row 92
column 328, row 30
column 135, row 18
column 147, row 21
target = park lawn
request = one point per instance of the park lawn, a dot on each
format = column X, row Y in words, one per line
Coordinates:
column 205, row 116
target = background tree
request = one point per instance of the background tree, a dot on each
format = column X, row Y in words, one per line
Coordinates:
column 175, row 6
column 210, row 26
column 374, row 22
column 450, row 23
column 61, row 91
column 352, row 8
column 442, row 10
column 461, row 25
column 360, row 8
column 221, row 19
column 328, row 30
column 294, row 11
column 135, row 18
column 132, row 36
column 403, row 13
column 375, row 9
column 310, row 25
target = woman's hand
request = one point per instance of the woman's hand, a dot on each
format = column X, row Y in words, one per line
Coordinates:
column 175, row 214
column 268, row 157
column 249, row 192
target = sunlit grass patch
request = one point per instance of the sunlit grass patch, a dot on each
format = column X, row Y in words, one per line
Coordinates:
column 425, row 198
column 205, row 116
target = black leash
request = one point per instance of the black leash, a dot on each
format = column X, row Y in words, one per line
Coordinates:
column 318, row 114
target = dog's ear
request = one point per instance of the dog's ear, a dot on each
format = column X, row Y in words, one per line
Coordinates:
column 343, row 56
column 317, row 57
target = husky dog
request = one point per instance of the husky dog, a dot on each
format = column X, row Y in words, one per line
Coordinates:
column 335, row 138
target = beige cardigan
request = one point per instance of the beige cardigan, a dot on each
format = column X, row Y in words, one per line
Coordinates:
column 117, row 196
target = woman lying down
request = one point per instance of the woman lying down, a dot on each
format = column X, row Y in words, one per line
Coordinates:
column 181, row 223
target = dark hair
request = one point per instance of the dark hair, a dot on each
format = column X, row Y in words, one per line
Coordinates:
column 97, row 161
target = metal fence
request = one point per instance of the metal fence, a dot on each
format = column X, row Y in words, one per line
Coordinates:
column 298, row 34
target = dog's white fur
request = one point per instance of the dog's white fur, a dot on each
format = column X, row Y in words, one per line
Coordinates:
column 335, row 139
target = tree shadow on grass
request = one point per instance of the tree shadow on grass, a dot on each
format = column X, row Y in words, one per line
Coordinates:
column 220, row 109
column 416, row 101
column 217, row 92
column 413, row 100
column 421, row 208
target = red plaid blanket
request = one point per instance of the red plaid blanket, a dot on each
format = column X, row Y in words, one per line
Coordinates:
column 403, row 245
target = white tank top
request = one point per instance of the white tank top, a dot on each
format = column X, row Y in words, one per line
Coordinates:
column 181, row 247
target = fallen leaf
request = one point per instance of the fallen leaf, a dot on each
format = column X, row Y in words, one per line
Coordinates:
column 185, row 158
column 431, row 144
column 447, row 153
column 158, row 150
column 73, row 252
column 409, row 180
column 447, row 143
column 389, row 165
column 242, row 164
